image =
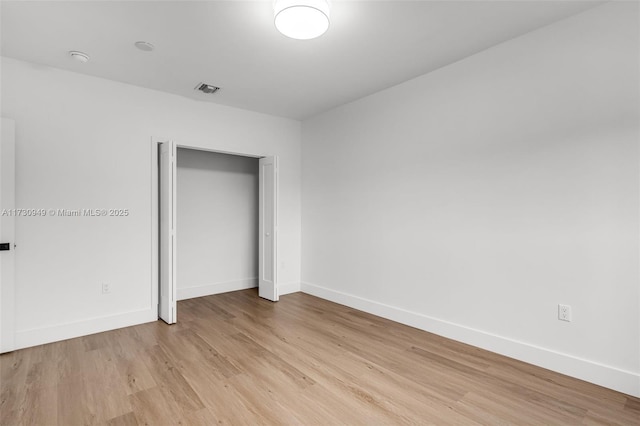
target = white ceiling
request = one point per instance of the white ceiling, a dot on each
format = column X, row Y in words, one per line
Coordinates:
column 371, row 45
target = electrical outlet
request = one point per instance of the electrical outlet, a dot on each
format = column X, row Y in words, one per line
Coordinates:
column 564, row 312
column 106, row 288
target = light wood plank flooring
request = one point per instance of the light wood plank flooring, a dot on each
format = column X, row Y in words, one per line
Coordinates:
column 236, row 359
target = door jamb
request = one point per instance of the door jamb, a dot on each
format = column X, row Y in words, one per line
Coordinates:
column 8, row 290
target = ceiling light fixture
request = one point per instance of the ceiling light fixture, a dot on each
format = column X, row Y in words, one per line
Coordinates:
column 144, row 46
column 79, row 56
column 302, row 19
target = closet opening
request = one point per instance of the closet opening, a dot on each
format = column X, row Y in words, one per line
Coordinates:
column 217, row 216
column 215, row 224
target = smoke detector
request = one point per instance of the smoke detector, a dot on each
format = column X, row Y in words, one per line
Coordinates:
column 79, row 56
column 207, row 88
column 145, row 46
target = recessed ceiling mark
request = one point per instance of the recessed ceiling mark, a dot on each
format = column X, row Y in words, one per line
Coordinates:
column 79, row 56
column 206, row 88
column 144, row 46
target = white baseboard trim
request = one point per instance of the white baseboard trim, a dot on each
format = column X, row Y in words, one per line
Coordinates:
column 610, row 377
column 58, row 332
column 216, row 288
column 288, row 288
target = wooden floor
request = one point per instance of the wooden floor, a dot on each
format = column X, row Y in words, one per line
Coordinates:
column 236, row 359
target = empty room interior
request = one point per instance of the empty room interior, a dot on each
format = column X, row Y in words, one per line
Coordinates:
column 320, row 212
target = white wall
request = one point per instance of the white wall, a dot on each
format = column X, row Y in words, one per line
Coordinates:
column 217, row 223
column 472, row 200
column 85, row 142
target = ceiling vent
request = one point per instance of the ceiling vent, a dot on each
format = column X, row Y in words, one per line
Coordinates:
column 206, row 88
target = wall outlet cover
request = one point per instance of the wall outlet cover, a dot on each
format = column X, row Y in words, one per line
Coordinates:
column 564, row 312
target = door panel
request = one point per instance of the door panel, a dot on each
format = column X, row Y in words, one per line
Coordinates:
column 167, row 193
column 268, row 228
column 7, row 235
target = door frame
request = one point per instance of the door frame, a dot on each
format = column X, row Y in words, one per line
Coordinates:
column 8, row 284
column 155, row 243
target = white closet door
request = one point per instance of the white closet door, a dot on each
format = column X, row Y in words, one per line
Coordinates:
column 168, row 292
column 268, row 228
column 7, row 236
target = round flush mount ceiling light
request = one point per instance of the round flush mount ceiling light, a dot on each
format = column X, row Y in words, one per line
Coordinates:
column 144, row 46
column 302, row 19
column 79, row 56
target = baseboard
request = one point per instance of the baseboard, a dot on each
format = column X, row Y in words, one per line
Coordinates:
column 610, row 377
column 58, row 332
column 288, row 288
column 216, row 288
